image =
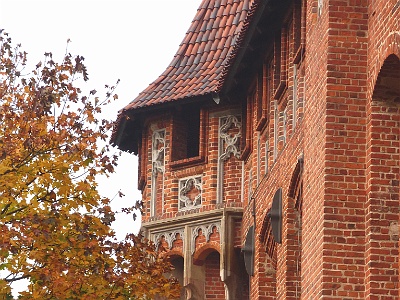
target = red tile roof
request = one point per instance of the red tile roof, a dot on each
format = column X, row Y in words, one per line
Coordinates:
column 200, row 65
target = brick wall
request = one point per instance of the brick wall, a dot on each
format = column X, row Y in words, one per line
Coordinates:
column 338, row 109
column 383, row 174
column 343, row 272
column 214, row 288
column 314, row 136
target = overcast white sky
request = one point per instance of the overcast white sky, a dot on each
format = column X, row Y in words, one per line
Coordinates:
column 131, row 40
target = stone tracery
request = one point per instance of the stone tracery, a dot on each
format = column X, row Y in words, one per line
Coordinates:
column 158, row 151
column 207, row 230
column 190, row 192
column 169, row 236
column 229, row 141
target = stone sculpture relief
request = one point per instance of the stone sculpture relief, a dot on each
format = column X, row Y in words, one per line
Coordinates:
column 169, row 236
column 207, row 230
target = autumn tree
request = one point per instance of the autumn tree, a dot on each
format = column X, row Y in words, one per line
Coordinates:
column 54, row 226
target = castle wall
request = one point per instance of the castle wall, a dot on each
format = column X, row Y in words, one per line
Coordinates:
column 320, row 120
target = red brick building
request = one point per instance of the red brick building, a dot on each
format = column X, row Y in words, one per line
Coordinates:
column 292, row 100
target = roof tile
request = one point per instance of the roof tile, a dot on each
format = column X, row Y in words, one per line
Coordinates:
column 204, row 56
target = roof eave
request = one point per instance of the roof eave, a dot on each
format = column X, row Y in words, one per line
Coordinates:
column 131, row 120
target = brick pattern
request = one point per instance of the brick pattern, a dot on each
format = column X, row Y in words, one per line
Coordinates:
column 345, row 153
column 271, row 165
column 383, row 163
column 314, row 120
column 237, row 242
column 214, row 287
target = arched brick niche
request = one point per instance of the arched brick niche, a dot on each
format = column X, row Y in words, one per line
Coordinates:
column 267, row 266
column 202, row 252
column 383, row 180
column 178, row 263
column 294, row 233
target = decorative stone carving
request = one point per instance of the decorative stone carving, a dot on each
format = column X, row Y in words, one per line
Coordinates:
column 169, row 236
column 320, row 7
column 207, row 230
column 158, row 167
column 158, row 151
column 229, row 141
column 190, row 192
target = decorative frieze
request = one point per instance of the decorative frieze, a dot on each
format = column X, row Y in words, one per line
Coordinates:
column 169, row 237
column 189, row 195
column 207, row 230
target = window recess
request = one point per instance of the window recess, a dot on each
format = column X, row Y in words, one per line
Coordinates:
column 188, row 135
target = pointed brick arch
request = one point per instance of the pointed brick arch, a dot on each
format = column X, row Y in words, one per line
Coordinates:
column 294, row 232
column 201, row 254
column 389, row 46
column 268, row 259
column 296, row 178
column 267, row 239
column 387, row 87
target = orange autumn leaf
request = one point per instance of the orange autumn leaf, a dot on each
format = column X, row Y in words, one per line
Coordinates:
column 54, row 226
